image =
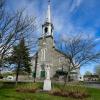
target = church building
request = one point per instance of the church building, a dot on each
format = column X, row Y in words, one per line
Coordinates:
column 48, row 54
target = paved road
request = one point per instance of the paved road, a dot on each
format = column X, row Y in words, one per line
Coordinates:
column 92, row 84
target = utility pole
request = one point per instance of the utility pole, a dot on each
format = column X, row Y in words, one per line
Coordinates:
column 36, row 61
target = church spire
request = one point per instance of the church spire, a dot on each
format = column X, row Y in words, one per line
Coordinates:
column 48, row 16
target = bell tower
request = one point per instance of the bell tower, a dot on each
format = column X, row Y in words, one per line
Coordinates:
column 47, row 27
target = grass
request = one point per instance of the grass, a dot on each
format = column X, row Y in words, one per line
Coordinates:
column 8, row 92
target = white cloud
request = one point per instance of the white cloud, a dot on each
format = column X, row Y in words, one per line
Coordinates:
column 97, row 39
column 75, row 4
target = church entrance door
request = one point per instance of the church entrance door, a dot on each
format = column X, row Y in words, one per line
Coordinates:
column 42, row 74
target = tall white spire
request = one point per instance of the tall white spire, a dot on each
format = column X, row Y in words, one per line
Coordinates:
column 48, row 16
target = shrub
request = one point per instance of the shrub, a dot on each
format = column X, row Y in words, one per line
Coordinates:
column 30, row 87
column 71, row 91
column 56, row 92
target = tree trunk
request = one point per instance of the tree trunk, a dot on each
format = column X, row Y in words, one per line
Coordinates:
column 36, row 60
column 17, row 73
column 1, row 62
column 67, row 78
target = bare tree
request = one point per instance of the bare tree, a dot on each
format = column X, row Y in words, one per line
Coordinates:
column 80, row 51
column 11, row 28
column 88, row 73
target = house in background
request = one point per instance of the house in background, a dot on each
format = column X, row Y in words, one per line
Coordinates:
column 91, row 77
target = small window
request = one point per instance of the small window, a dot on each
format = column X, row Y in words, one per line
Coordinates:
column 46, row 30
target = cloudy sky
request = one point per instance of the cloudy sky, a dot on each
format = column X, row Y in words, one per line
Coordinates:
column 68, row 16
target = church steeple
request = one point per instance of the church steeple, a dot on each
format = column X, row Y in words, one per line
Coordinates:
column 47, row 27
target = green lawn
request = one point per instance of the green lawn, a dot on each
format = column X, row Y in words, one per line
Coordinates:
column 8, row 92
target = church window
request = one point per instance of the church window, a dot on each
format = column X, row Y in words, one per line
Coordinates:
column 41, row 54
column 46, row 30
column 43, row 51
column 44, row 54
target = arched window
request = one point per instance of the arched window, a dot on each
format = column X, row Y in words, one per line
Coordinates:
column 43, row 54
column 46, row 30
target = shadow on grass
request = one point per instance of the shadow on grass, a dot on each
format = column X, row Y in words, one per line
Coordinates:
column 11, row 84
column 7, row 97
column 7, row 84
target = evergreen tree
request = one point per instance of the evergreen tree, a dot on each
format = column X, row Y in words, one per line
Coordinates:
column 20, row 57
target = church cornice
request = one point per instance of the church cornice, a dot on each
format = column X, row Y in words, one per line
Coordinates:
column 47, row 24
column 46, row 37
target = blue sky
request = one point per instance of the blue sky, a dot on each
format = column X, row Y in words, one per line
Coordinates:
column 68, row 16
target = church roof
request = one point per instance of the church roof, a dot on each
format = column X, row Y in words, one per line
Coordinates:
column 46, row 37
column 59, row 51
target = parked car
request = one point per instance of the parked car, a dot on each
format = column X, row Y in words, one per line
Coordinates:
column 10, row 78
